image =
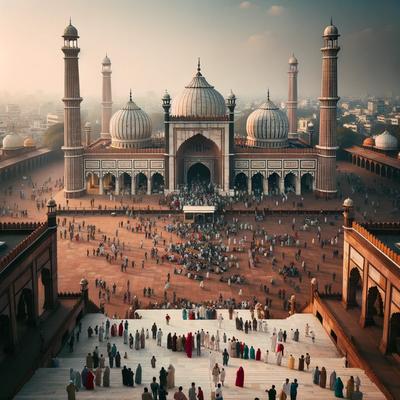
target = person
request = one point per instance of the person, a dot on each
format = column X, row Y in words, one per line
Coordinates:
column 338, row 388
column 350, row 387
column 266, row 355
column 146, row 395
column 218, row 392
column 271, row 393
column 332, row 380
column 291, row 362
column 222, row 376
column 179, row 395
column 167, row 319
column 192, row 392
column 200, row 394
column 106, row 377
column 258, row 355
column 155, row 387
column 293, row 390
column 118, row 360
column 124, row 373
column 225, row 357
column 71, row 390
column 130, row 375
column 77, row 380
column 282, row 395
column 90, row 380
column 171, row 377
column 163, row 377
column 89, row 361
column 215, row 374
column 239, row 377
column 138, row 374
column 315, row 375
column 162, row 393
column 153, row 362
column 301, row 363
column 84, row 375
column 322, row 378
column 357, row 383
column 189, row 345
column 286, row 387
column 98, row 376
column 308, row 360
column 159, row 336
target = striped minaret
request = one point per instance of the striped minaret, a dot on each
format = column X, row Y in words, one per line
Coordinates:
column 74, row 183
column 106, row 104
column 291, row 104
column 327, row 146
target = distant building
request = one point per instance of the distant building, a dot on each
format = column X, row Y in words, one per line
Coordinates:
column 53, row 119
column 13, row 112
column 376, row 106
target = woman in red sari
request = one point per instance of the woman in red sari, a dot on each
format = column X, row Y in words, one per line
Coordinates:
column 200, row 394
column 113, row 330
column 258, row 355
column 90, row 380
column 188, row 345
column 120, row 329
column 240, row 377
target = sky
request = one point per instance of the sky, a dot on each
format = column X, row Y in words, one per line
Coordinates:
column 243, row 45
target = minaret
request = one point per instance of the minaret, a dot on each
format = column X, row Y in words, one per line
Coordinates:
column 74, row 185
column 231, row 104
column 106, row 104
column 166, row 104
column 291, row 104
column 88, row 133
column 326, row 173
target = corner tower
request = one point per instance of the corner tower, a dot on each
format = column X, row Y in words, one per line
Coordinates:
column 327, row 146
column 291, row 104
column 106, row 103
column 74, row 185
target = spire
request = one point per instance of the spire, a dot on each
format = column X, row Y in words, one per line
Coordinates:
column 70, row 21
column 130, row 94
column 331, row 21
column 198, row 67
column 268, row 94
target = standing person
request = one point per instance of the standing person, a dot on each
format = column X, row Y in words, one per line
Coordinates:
column 222, row 376
column 322, row 378
column 155, row 387
column 159, row 337
column 301, row 363
column 286, row 387
column 293, row 390
column 239, row 377
column 225, row 357
column 106, row 377
column 338, row 388
column 192, row 392
column 71, row 390
column 167, row 319
column 332, row 380
column 350, row 387
column 215, row 374
column 218, row 392
column 179, row 395
column 271, row 393
column 171, row 377
column 153, row 362
column 308, row 360
column 163, row 377
column 162, row 393
column 200, row 394
column 138, row 374
column 146, row 395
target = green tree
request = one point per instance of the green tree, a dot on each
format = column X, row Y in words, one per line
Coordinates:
column 54, row 136
column 346, row 138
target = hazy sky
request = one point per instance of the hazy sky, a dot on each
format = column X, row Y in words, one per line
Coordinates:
column 243, row 45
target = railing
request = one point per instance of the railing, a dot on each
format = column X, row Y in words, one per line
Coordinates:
column 38, row 229
column 363, row 231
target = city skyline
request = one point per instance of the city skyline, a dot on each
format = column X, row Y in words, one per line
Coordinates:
column 139, row 38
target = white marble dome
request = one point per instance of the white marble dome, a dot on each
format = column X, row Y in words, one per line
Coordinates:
column 130, row 127
column 13, row 141
column 386, row 141
column 199, row 99
column 267, row 126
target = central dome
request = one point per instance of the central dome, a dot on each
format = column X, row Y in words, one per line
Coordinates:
column 130, row 127
column 13, row 141
column 199, row 99
column 267, row 126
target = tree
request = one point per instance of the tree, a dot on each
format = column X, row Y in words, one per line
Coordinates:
column 347, row 138
column 54, row 136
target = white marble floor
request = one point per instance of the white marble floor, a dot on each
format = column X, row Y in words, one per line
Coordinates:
column 50, row 383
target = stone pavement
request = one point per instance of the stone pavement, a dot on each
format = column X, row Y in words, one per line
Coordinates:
column 50, row 383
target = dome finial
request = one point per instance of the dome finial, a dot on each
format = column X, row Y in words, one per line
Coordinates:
column 198, row 65
column 130, row 94
column 268, row 94
column 70, row 21
column 331, row 21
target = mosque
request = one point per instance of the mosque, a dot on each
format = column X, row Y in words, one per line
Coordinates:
column 199, row 138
